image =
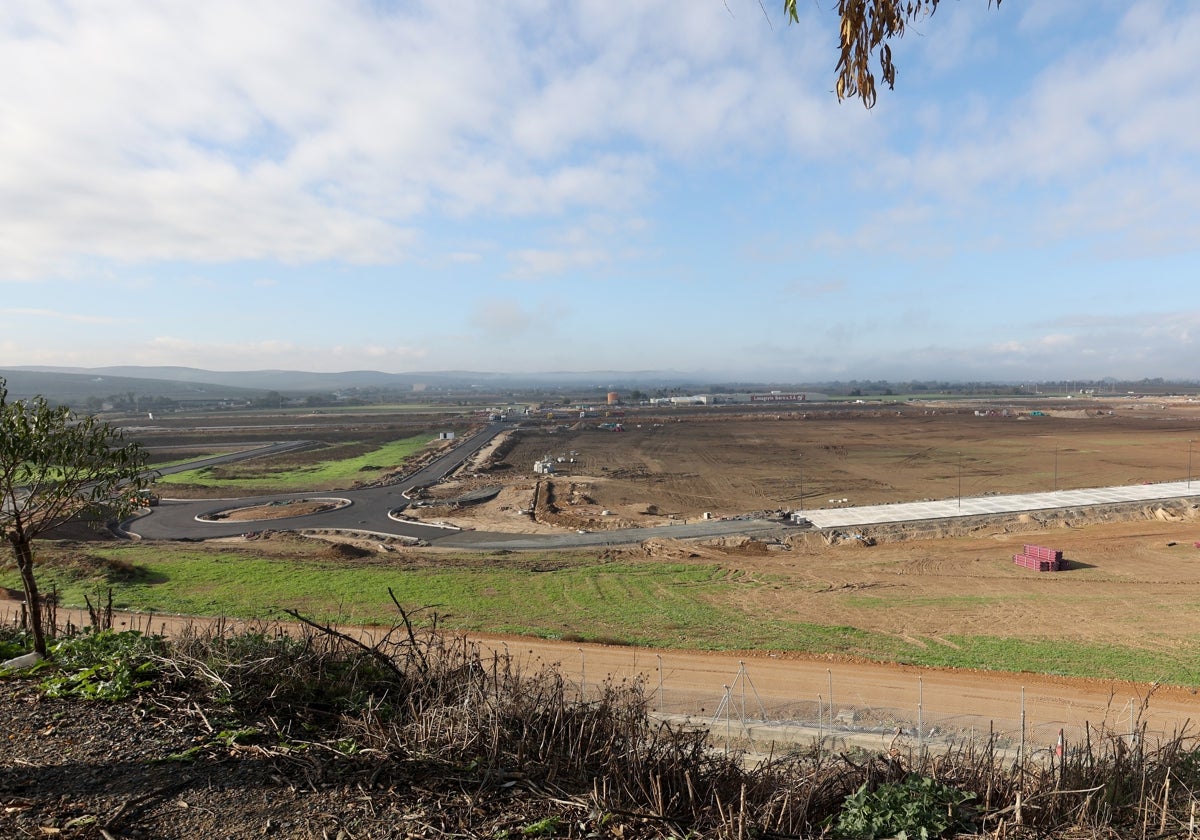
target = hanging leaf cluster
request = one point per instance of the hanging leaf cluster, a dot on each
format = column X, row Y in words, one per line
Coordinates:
column 866, row 27
column 55, row 466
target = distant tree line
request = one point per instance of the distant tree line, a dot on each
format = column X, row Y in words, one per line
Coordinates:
column 133, row 402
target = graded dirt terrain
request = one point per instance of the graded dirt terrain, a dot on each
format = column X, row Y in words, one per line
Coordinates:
column 665, row 468
column 1130, row 583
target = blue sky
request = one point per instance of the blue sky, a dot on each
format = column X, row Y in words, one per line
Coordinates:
column 543, row 185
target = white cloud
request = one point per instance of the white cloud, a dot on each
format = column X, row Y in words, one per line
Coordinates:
column 1099, row 149
column 56, row 315
column 227, row 131
column 1101, row 104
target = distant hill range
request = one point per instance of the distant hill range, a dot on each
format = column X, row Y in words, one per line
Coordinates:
column 74, row 384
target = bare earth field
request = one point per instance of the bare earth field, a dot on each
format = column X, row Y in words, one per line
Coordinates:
column 1129, row 583
column 672, row 468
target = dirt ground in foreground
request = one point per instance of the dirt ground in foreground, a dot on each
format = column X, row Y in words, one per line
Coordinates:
column 770, row 687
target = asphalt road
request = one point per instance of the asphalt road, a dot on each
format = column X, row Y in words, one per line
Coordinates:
column 368, row 509
column 257, row 452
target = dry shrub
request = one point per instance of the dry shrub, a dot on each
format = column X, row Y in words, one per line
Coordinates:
column 420, row 703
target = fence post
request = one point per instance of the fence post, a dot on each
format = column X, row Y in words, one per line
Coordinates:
column 1021, row 749
column 820, row 724
column 661, row 709
column 742, row 677
column 829, row 672
column 921, row 714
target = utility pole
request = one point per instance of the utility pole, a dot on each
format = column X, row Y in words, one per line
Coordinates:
column 802, row 479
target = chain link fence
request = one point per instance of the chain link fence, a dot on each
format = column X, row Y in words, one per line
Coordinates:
column 836, row 708
column 843, row 710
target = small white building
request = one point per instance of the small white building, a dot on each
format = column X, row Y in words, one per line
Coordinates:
column 445, row 435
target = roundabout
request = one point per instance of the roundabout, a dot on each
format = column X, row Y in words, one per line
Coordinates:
column 284, row 509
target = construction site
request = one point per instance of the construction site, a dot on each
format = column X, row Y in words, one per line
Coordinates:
column 662, row 468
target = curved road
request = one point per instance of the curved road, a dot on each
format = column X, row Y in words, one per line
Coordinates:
column 370, row 507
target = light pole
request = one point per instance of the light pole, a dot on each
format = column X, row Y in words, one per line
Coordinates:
column 1056, row 467
column 960, row 481
column 1189, row 464
column 802, row 481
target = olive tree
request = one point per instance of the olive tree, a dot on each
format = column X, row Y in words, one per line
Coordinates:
column 56, row 467
column 866, row 27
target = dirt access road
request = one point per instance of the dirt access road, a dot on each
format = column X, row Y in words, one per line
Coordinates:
column 719, row 688
column 728, row 690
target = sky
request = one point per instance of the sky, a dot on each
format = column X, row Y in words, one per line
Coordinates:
column 600, row 185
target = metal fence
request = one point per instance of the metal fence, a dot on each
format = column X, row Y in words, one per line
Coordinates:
column 846, row 709
column 763, row 701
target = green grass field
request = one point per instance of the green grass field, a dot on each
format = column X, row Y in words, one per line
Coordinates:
column 698, row 605
column 284, row 474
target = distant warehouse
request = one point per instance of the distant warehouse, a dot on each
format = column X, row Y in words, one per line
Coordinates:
column 779, row 397
column 727, row 399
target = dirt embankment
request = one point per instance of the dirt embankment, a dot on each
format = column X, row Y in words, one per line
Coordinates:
column 577, row 510
column 1173, row 510
column 414, row 463
column 492, row 456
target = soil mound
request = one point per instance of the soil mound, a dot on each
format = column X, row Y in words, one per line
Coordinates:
column 347, row 551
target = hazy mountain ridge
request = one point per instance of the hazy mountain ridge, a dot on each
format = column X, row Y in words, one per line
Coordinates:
column 69, row 386
column 185, row 382
column 78, row 384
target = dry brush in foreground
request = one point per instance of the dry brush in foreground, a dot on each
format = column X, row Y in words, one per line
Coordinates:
column 420, row 734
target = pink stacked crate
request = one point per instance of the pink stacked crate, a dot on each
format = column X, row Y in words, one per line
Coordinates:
column 1043, row 553
column 1041, row 559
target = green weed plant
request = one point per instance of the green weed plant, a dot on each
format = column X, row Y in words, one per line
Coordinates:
column 105, row 665
column 916, row 808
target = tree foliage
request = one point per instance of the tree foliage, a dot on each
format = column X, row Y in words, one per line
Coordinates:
column 56, row 467
column 866, row 27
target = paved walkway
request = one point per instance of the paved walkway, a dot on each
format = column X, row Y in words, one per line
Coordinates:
column 984, row 505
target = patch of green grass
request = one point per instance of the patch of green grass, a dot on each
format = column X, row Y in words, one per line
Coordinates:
column 258, row 474
column 929, row 601
column 639, row 603
column 575, row 596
